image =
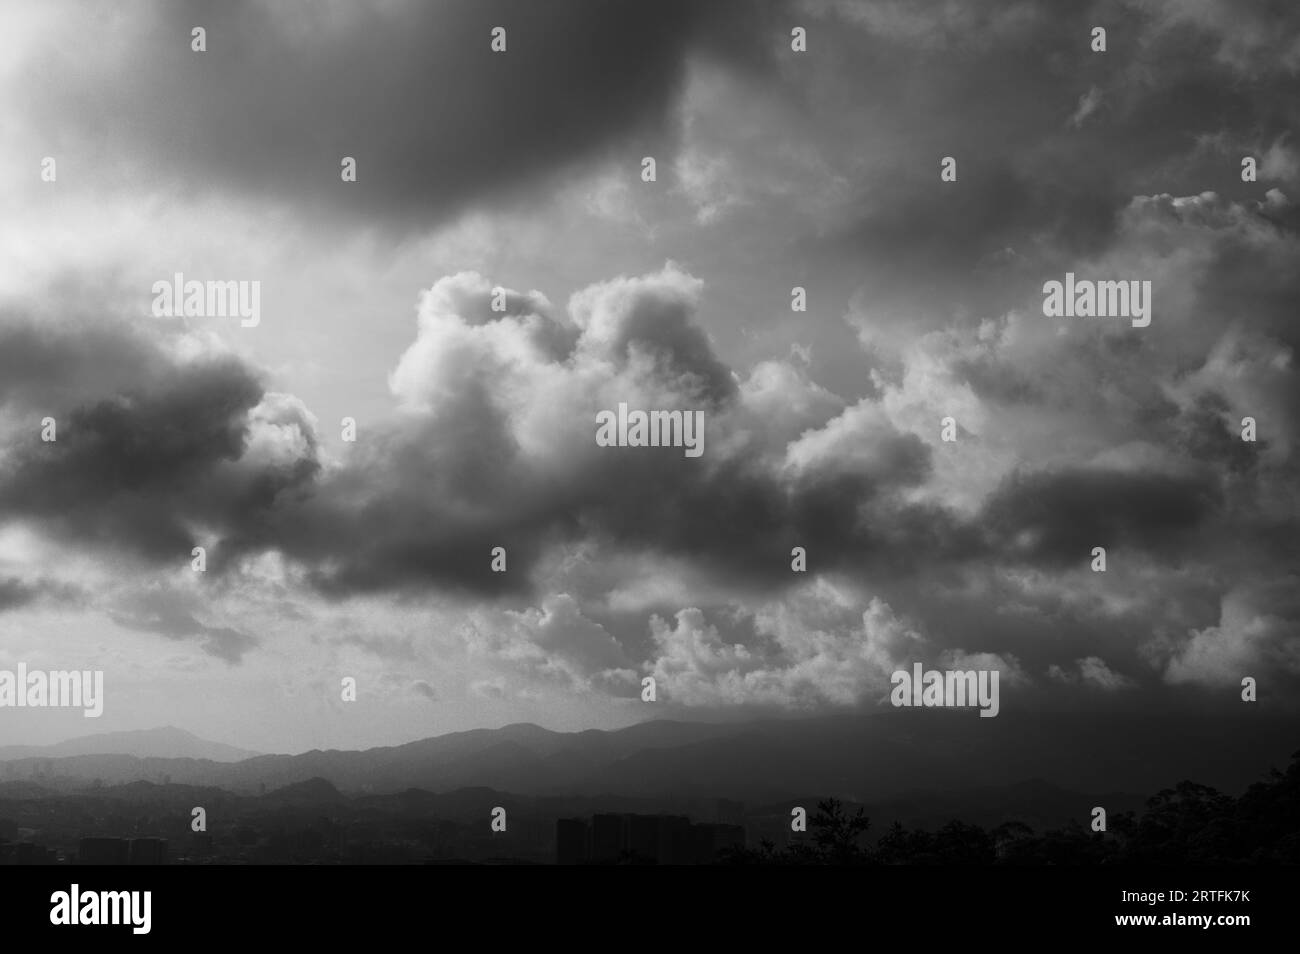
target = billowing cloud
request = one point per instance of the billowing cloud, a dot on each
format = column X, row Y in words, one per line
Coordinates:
column 555, row 641
column 1258, row 631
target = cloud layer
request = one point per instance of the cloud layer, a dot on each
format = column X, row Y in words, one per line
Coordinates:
column 540, row 282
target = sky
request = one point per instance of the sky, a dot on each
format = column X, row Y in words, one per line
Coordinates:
column 475, row 428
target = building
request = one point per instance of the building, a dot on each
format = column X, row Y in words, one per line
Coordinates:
column 674, row 840
column 148, row 851
column 708, row 840
column 642, row 837
column 570, row 841
column 728, row 812
column 606, row 838
column 104, row 851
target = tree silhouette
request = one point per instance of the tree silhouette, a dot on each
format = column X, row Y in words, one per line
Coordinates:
column 1187, row 824
column 837, row 834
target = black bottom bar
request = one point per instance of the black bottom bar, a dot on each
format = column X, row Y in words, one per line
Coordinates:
column 495, row 903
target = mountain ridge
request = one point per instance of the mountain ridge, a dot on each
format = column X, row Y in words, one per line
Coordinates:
column 162, row 742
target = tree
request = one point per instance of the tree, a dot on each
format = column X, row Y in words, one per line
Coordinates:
column 836, row 834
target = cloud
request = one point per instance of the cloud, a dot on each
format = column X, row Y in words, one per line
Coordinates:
column 1090, row 671
column 199, row 451
column 1281, row 162
column 49, row 362
column 14, row 593
column 489, row 688
column 1258, row 631
column 806, row 652
column 170, row 613
column 943, row 25
column 553, row 642
column 383, row 82
column 1088, row 104
column 1007, row 666
column 1277, row 161
column 490, row 441
column 1059, row 517
column 1252, row 37
column 644, row 327
column 494, row 446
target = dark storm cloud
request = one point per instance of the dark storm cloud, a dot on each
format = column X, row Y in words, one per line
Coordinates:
column 412, row 91
column 996, row 88
column 146, row 464
column 132, row 469
column 734, row 522
column 416, row 510
column 1058, row 517
column 740, row 520
column 45, row 366
column 971, row 238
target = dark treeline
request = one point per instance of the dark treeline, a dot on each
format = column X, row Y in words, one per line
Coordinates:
column 1187, row 824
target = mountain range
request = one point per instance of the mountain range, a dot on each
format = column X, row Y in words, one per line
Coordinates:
column 860, row 758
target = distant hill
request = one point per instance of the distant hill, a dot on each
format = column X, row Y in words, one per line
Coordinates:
column 165, row 743
column 16, row 791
